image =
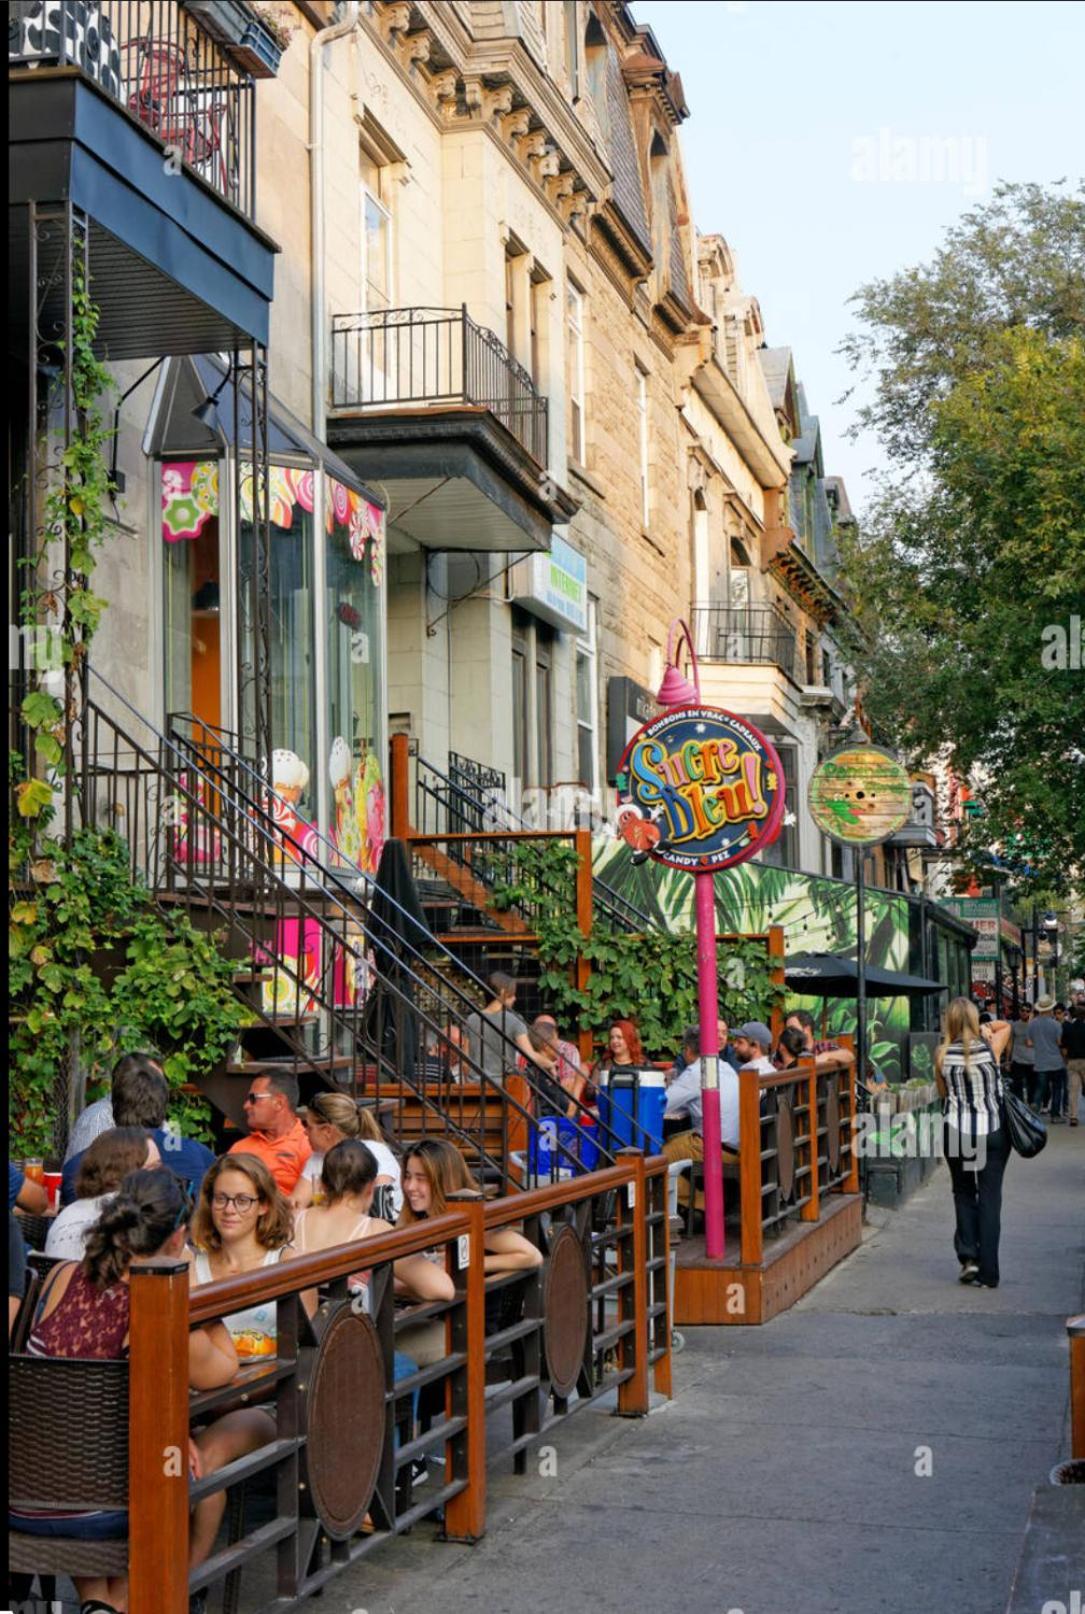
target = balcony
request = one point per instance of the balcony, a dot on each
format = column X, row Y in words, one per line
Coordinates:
column 433, row 405
column 747, row 635
column 131, row 126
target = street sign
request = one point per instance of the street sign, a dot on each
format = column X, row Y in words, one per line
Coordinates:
column 860, row 795
column 700, row 789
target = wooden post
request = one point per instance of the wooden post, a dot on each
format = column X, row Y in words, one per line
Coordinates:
column 584, row 919
column 661, row 1373
column 811, row 1210
column 158, row 1440
column 776, row 952
column 400, row 792
column 465, row 1514
column 632, row 1198
column 1075, row 1328
column 850, row 1185
column 749, row 1165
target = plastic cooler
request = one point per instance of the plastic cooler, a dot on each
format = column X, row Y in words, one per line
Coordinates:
column 555, row 1141
column 631, row 1105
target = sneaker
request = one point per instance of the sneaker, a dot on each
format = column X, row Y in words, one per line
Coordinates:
column 986, row 1283
column 970, row 1272
column 419, row 1472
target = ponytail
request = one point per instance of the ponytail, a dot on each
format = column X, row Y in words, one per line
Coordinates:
column 137, row 1220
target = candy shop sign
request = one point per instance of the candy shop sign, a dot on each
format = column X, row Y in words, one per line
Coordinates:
column 700, row 789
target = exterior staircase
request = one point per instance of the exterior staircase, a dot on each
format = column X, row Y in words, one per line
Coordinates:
column 344, row 988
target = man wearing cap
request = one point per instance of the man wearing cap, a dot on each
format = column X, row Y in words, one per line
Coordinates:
column 685, row 1097
column 1045, row 1035
column 752, row 1043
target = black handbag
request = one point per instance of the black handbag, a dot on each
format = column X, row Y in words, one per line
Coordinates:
column 1028, row 1135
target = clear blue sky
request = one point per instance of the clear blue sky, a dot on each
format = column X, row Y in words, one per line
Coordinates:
column 832, row 143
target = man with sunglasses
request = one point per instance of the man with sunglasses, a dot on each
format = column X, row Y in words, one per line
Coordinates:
column 276, row 1135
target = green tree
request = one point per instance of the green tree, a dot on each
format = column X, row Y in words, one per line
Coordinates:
column 969, row 570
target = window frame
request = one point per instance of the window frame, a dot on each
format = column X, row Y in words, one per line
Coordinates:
column 643, row 444
column 586, row 649
column 575, row 300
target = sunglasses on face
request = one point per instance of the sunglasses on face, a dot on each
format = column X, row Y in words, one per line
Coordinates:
column 255, row 1098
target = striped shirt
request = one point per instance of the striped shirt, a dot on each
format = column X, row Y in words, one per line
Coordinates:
column 973, row 1090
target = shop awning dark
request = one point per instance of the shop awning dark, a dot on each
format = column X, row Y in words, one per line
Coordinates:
column 175, row 430
column 826, row 975
column 174, row 268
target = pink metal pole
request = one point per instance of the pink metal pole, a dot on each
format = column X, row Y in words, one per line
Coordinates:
column 709, row 1018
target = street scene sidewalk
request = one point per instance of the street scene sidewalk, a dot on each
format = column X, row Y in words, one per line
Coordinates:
column 874, row 1449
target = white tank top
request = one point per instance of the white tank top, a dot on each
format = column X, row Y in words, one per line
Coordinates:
column 254, row 1330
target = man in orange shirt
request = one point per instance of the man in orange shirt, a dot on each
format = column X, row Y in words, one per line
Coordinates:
column 276, row 1136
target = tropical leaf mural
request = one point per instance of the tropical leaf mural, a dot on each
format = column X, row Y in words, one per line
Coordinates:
column 817, row 915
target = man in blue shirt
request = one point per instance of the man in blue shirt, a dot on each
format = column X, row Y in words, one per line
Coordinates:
column 141, row 1101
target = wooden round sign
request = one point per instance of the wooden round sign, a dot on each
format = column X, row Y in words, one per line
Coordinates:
column 345, row 1414
column 565, row 1310
column 860, row 795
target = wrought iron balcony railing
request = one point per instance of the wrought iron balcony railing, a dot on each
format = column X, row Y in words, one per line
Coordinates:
column 408, row 356
column 747, row 634
column 154, row 59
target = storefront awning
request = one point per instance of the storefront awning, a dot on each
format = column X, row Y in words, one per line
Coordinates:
column 175, row 430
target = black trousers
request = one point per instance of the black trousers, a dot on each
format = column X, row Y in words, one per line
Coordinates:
column 977, row 1198
column 1059, row 1079
column 1019, row 1079
column 1039, row 1088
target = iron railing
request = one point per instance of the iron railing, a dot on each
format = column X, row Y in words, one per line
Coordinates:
column 153, row 58
column 401, row 356
column 472, row 800
column 748, row 635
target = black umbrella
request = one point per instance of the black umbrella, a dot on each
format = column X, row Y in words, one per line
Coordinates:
column 825, row 975
column 398, row 932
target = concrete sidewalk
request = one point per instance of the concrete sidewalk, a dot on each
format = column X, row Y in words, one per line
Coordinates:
column 873, row 1451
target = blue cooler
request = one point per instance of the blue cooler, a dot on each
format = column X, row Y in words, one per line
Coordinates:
column 631, row 1105
column 554, row 1141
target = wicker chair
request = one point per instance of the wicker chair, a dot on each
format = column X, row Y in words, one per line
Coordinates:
column 67, row 1447
column 35, row 1229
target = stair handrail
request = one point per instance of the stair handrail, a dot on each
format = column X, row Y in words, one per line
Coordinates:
column 623, row 913
column 336, row 1012
column 254, row 811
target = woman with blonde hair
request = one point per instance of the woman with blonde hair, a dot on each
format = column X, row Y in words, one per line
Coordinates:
column 977, row 1143
column 332, row 1118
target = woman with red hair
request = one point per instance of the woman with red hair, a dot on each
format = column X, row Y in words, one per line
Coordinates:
column 623, row 1048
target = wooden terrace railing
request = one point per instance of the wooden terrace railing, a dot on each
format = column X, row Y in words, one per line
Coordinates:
column 796, row 1146
column 592, row 1318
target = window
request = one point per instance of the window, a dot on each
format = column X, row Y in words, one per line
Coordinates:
column 519, row 711
column 784, row 851
column 642, row 432
column 572, row 49
column 376, row 238
column 510, row 302
column 536, row 317
column 587, row 705
column 544, row 707
column 574, row 335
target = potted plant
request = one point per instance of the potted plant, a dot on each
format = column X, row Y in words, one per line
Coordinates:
column 266, row 35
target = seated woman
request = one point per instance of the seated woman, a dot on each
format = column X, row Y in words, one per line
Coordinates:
column 623, row 1048
column 333, row 1118
column 103, row 1168
column 348, row 1181
column 433, row 1169
column 242, row 1223
column 84, row 1311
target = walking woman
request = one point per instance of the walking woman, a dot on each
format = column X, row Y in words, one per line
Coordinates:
column 977, row 1142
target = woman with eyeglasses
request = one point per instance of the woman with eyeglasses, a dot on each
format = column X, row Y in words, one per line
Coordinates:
column 242, row 1223
column 84, row 1311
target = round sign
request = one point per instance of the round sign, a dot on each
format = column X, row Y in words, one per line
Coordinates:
column 699, row 789
column 860, row 796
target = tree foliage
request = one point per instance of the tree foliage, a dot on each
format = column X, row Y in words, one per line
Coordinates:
column 969, row 570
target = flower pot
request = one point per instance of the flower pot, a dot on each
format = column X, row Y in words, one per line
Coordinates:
column 224, row 20
column 257, row 51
